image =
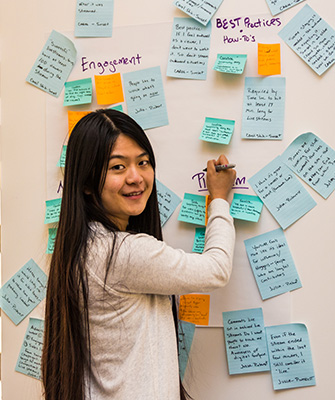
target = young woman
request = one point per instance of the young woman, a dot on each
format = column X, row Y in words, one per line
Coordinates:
column 110, row 324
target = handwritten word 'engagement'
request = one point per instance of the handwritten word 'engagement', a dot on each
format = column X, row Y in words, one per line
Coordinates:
column 109, row 65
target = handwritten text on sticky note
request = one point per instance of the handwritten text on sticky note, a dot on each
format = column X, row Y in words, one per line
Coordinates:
column 230, row 63
column 194, row 308
column 109, row 89
column 193, row 209
column 217, row 130
column 269, row 59
column 246, row 207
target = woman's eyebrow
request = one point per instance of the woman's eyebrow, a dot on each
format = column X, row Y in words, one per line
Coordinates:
column 145, row 153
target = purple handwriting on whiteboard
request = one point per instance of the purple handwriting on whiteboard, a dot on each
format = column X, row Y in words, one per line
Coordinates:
column 199, row 178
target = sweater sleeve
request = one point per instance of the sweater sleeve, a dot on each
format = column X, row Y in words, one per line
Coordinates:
column 144, row 264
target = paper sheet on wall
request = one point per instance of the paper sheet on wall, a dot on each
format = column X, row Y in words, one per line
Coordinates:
column 145, row 97
column 246, row 207
column 263, row 108
column 278, row 6
column 78, row 92
column 29, row 360
column 290, row 356
column 194, row 308
column 23, row 291
column 269, row 59
column 53, row 65
column 189, row 49
column 272, row 263
column 282, row 192
column 94, row 18
column 311, row 38
column 185, row 337
column 168, row 201
column 217, row 130
column 202, row 11
column 245, row 341
column 199, row 240
column 230, row 63
column 313, row 161
column 193, row 209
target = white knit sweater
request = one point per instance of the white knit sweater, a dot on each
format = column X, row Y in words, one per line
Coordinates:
column 134, row 351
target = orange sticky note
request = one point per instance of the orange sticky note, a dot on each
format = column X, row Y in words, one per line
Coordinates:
column 73, row 117
column 269, row 59
column 194, row 308
column 109, row 89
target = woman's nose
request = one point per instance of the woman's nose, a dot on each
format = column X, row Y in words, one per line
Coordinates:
column 134, row 176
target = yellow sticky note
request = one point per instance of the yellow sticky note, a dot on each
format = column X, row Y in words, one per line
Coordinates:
column 74, row 117
column 109, row 89
column 269, row 59
column 194, row 308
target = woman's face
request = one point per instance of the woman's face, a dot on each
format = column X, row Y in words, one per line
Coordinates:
column 129, row 181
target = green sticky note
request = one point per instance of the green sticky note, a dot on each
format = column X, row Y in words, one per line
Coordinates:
column 61, row 162
column 217, row 130
column 51, row 240
column 246, row 207
column 230, row 63
column 193, row 209
column 78, row 92
column 52, row 211
column 118, row 107
column 199, row 240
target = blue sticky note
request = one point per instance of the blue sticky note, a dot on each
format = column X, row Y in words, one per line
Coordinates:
column 29, row 360
column 201, row 11
column 245, row 341
column 193, row 209
column 278, row 6
column 51, row 240
column 311, row 38
column 78, row 92
column 230, row 63
column 94, row 18
column 217, row 130
column 189, row 49
column 118, row 107
column 199, row 240
column 282, row 192
column 23, row 292
column 263, row 108
column 272, row 264
column 290, row 356
column 53, row 65
column 167, row 201
column 61, row 161
column 313, row 161
column 52, row 211
column 185, row 338
column 246, row 207
column 145, row 97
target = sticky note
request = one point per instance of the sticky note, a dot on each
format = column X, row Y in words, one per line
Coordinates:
column 201, row 11
column 282, row 192
column 118, row 107
column 29, row 360
column 167, row 201
column 23, row 291
column 189, row 49
column 94, row 18
column 74, row 117
column 290, row 356
column 194, row 308
column 51, row 240
column 263, row 108
column 193, row 209
column 245, row 341
column 109, row 88
column 272, row 264
column 145, row 97
column 185, row 337
column 269, row 59
column 52, row 211
column 78, row 92
column 217, row 130
column 246, row 207
column 199, row 240
column 53, row 65
column 61, row 161
column 311, row 38
column 313, row 161
column 278, row 6
column 230, row 63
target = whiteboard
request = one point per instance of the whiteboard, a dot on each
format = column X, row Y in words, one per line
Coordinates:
column 31, row 118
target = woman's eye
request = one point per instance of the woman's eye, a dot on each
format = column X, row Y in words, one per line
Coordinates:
column 117, row 167
column 144, row 162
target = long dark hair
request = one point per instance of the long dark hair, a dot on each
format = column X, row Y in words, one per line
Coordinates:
column 66, row 352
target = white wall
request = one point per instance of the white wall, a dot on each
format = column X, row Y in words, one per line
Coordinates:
column 309, row 107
